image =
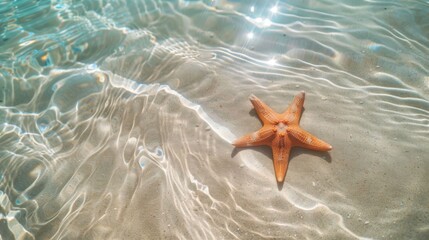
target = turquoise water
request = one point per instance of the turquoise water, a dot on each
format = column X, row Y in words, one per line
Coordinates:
column 117, row 118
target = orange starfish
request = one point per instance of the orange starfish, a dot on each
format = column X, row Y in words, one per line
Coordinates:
column 281, row 132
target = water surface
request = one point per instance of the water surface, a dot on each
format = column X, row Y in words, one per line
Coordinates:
column 116, row 119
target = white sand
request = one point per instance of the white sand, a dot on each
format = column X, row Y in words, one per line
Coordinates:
column 139, row 147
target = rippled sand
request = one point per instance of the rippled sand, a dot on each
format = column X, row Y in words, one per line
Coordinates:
column 116, row 119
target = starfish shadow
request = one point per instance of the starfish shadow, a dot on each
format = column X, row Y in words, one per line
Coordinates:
column 280, row 185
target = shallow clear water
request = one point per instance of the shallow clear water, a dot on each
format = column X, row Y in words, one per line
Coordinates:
column 116, row 119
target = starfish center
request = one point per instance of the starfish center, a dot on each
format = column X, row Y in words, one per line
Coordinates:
column 281, row 128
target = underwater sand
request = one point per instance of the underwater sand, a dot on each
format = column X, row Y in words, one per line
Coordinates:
column 117, row 119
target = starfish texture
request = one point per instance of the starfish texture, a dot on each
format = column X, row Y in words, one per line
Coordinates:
column 281, row 132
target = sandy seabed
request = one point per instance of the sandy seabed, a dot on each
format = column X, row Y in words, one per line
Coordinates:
column 117, row 120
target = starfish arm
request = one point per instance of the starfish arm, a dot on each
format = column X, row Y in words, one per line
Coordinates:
column 281, row 149
column 293, row 112
column 306, row 140
column 265, row 113
column 261, row 137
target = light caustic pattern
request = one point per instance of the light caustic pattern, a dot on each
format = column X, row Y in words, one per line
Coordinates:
column 117, row 119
